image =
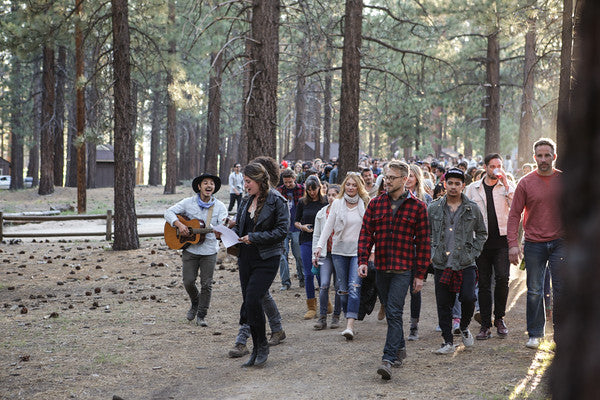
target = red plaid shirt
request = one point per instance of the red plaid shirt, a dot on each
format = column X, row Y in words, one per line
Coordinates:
column 453, row 279
column 401, row 240
column 298, row 191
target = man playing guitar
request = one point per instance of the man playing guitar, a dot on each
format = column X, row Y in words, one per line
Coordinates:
column 202, row 256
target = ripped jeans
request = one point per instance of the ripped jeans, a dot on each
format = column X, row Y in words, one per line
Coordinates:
column 348, row 282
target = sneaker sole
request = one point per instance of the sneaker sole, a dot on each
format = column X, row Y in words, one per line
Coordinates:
column 385, row 375
column 348, row 336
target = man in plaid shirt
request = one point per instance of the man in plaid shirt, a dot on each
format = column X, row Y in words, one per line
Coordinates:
column 396, row 223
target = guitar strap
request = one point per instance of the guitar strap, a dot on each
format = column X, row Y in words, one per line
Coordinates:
column 209, row 216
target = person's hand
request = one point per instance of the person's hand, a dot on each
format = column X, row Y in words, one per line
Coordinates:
column 230, row 223
column 363, row 270
column 245, row 239
column 372, row 257
column 318, row 253
column 183, row 229
column 417, row 285
column 514, row 255
column 217, row 235
column 307, row 228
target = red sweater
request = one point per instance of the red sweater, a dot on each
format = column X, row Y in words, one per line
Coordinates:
column 539, row 197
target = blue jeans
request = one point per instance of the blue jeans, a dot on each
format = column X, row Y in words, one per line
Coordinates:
column 272, row 314
column 326, row 270
column 538, row 257
column 309, row 278
column 346, row 271
column 392, row 290
column 284, row 269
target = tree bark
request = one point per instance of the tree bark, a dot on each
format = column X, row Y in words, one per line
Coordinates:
column 214, row 115
column 47, row 142
column 171, row 179
column 315, row 111
column 154, row 174
column 527, row 122
column 327, row 118
column 80, row 115
column 242, row 154
column 264, row 56
column 492, row 112
column 350, row 95
column 33, row 168
column 126, row 236
column 300, row 117
column 93, row 113
column 576, row 366
column 564, row 87
column 16, row 125
column 71, row 178
column 59, row 121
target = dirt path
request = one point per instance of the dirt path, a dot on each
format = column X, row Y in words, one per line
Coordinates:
column 101, row 323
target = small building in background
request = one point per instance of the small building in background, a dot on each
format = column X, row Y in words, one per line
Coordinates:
column 4, row 166
column 307, row 152
column 105, row 167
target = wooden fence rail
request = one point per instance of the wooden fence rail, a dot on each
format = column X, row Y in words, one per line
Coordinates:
column 43, row 218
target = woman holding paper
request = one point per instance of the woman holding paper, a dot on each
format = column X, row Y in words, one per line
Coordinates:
column 262, row 222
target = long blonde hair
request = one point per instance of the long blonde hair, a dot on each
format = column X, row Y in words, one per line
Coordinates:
column 418, row 174
column 360, row 183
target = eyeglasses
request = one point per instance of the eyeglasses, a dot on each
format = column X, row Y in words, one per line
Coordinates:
column 392, row 178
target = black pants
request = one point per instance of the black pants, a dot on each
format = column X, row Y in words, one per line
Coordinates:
column 256, row 277
column 493, row 261
column 445, row 301
column 232, row 199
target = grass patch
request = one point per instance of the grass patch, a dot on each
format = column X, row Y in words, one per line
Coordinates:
column 109, row 359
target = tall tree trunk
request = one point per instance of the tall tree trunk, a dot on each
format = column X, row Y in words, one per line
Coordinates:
column 264, row 55
column 182, row 143
column 93, row 118
column 564, row 87
column 214, row 114
column 16, row 124
column 327, row 117
column 194, row 156
column 577, row 47
column 492, row 114
column 300, row 119
column 47, row 142
column 576, row 366
column 59, row 121
column 155, row 172
column 80, row 123
column 242, row 154
column 33, row 168
column 126, row 235
column 316, row 118
column 171, row 180
column 527, row 123
column 350, row 96
column 71, row 178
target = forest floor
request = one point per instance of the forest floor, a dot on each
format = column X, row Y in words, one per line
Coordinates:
column 82, row 321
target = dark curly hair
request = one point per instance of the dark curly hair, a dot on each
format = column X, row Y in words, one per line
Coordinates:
column 258, row 174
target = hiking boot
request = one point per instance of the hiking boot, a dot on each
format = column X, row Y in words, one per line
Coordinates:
column 414, row 334
column 276, row 338
column 381, row 313
column 446, row 348
column 321, row 323
column 400, row 356
column 484, row 334
column 239, row 350
column 467, row 338
column 252, row 358
column 335, row 322
column 501, row 328
column 533, row 343
column 191, row 314
column 201, row 322
column 301, row 283
column 385, row 370
column 262, row 354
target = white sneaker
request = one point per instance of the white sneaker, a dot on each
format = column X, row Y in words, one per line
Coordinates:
column 533, row 343
column 447, row 348
column 348, row 334
column 467, row 338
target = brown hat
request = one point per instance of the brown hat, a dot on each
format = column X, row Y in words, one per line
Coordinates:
column 198, row 180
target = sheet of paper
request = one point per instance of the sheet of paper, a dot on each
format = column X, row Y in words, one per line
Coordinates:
column 228, row 237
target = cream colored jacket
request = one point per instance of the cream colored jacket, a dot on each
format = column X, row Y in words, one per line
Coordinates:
column 502, row 200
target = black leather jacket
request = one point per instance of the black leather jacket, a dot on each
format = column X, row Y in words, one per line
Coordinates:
column 271, row 226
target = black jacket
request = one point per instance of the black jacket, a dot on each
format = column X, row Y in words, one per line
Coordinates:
column 271, row 226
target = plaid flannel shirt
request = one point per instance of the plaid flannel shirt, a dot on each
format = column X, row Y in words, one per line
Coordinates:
column 402, row 241
column 298, row 191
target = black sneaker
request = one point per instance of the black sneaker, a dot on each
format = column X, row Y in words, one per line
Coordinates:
column 385, row 370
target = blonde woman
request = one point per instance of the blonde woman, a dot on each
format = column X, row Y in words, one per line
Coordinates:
column 345, row 221
column 415, row 183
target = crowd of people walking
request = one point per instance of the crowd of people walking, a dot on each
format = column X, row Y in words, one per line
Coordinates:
column 391, row 223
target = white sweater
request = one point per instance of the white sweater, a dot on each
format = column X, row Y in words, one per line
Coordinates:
column 345, row 223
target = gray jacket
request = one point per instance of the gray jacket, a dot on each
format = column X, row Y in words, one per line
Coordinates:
column 470, row 234
column 271, row 226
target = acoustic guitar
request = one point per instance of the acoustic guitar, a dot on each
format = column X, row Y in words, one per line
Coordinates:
column 197, row 233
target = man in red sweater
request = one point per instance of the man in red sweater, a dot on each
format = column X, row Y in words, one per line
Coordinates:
column 538, row 195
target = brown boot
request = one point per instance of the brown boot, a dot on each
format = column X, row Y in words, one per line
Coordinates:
column 381, row 313
column 312, row 308
column 329, row 307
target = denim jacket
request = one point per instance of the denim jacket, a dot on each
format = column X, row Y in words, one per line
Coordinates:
column 470, row 234
column 271, row 226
